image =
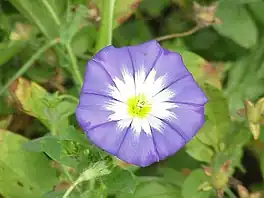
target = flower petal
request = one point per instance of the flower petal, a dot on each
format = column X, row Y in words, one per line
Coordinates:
column 108, row 137
column 189, row 119
column 97, row 79
column 185, row 91
column 138, row 149
column 167, row 142
column 118, row 64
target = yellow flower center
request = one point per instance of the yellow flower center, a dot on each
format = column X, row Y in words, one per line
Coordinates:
column 138, row 106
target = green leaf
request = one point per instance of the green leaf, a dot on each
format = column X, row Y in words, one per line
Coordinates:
column 71, row 133
column 195, row 64
column 172, row 176
column 154, row 190
column 120, row 181
column 5, row 121
column 128, row 33
column 217, row 112
column 52, row 146
column 257, row 9
column 46, row 14
column 199, row 151
column 23, row 174
column 72, row 24
column 37, row 102
column 191, row 185
column 84, row 40
column 187, row 162
column 236, row 23
column 153, row 7
column 9, row 49
column 243, row 1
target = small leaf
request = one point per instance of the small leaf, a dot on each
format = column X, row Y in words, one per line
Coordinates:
column 23, row 174
column 199, row 151
column 120, row 181
column 236, row 23
column 191, row 185
column 52, row 146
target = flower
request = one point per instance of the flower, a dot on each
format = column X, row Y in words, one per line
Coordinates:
column 139, row 103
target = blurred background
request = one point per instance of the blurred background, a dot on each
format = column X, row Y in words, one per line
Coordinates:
column 222, row 44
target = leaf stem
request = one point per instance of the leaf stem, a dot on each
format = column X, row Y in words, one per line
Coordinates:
column 106, row 26
column 177, row 35
column 75, row 68
column 29, row 63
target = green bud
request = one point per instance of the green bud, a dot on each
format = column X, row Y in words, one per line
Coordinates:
column 220, row 180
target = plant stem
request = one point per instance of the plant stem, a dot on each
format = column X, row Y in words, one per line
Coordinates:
column 177, row 35
column 51, row 11
column 106, row 26
column 67, row 193
column 75, row 68
column 28, row 64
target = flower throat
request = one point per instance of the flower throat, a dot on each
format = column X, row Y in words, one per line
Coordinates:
column 138, row 106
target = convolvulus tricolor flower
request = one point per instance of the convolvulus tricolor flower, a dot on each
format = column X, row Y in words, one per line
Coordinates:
column 139, row 103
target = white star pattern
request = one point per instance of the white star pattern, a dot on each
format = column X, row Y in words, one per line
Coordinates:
column 152, row 88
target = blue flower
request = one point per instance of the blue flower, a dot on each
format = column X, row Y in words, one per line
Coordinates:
column 140, row 103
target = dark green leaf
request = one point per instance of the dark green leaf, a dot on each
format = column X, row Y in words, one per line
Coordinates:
column 236, row 23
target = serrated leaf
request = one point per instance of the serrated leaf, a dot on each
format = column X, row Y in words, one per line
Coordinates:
column 23, row 174
column 236, row 23
column 192, row 183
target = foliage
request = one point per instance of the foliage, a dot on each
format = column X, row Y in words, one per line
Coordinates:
column 44, row 45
